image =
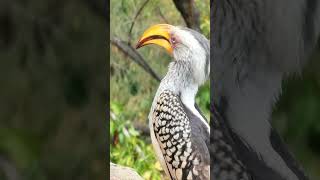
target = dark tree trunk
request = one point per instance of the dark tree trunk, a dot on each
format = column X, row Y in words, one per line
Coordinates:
column 189, row 13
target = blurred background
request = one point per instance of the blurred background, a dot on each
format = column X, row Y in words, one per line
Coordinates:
column 53, row 62
column 134, row 75
column 297, row 115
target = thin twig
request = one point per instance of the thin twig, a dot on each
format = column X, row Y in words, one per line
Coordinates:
column 162, row 16
column 142, row 128
column 134, row 20
column 134, row 55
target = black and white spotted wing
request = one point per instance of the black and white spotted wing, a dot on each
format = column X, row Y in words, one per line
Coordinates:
column 183, row 146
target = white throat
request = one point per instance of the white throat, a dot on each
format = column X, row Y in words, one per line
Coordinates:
column 181, row 80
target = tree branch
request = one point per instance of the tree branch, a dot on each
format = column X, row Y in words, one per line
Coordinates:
column 162, row 16
column 189, row 13
column 134, row 55
column 142, row 128
column 134, row 20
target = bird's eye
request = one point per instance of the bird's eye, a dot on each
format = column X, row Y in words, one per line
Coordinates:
column 173, row 40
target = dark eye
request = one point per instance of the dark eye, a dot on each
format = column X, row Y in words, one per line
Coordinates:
column 173, row 40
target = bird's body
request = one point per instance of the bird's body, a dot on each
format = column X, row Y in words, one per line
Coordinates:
column 256, row 44
column 179, row 132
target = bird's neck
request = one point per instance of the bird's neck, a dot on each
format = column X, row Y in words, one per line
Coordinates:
column 182, row 78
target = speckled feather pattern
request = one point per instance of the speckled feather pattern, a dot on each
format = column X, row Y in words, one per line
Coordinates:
column 173, row 132
column 226, row 164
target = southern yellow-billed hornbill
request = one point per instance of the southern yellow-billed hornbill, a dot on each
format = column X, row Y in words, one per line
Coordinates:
column 179, row 132
column 255, row 45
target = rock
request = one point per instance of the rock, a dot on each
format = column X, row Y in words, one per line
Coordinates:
column 118, row 172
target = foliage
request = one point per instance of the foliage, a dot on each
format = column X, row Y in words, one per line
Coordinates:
column 128, row 148
column 203, row 99
column 204, row 16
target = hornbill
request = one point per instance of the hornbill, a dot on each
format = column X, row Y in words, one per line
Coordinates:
column 179, row 131
column 255, row 45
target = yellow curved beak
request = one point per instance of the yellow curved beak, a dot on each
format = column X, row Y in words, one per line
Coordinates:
column 158, row 34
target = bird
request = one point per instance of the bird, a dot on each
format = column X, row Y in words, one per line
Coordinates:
column 179, row 131
column 255, row 45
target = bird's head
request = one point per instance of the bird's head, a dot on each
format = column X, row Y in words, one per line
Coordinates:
column 182, row 43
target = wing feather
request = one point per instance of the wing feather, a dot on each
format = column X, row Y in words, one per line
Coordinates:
column 183, row 143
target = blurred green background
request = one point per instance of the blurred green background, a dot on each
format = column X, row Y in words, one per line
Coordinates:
column 132, row 88
column 297, row 115
column 53, row 89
